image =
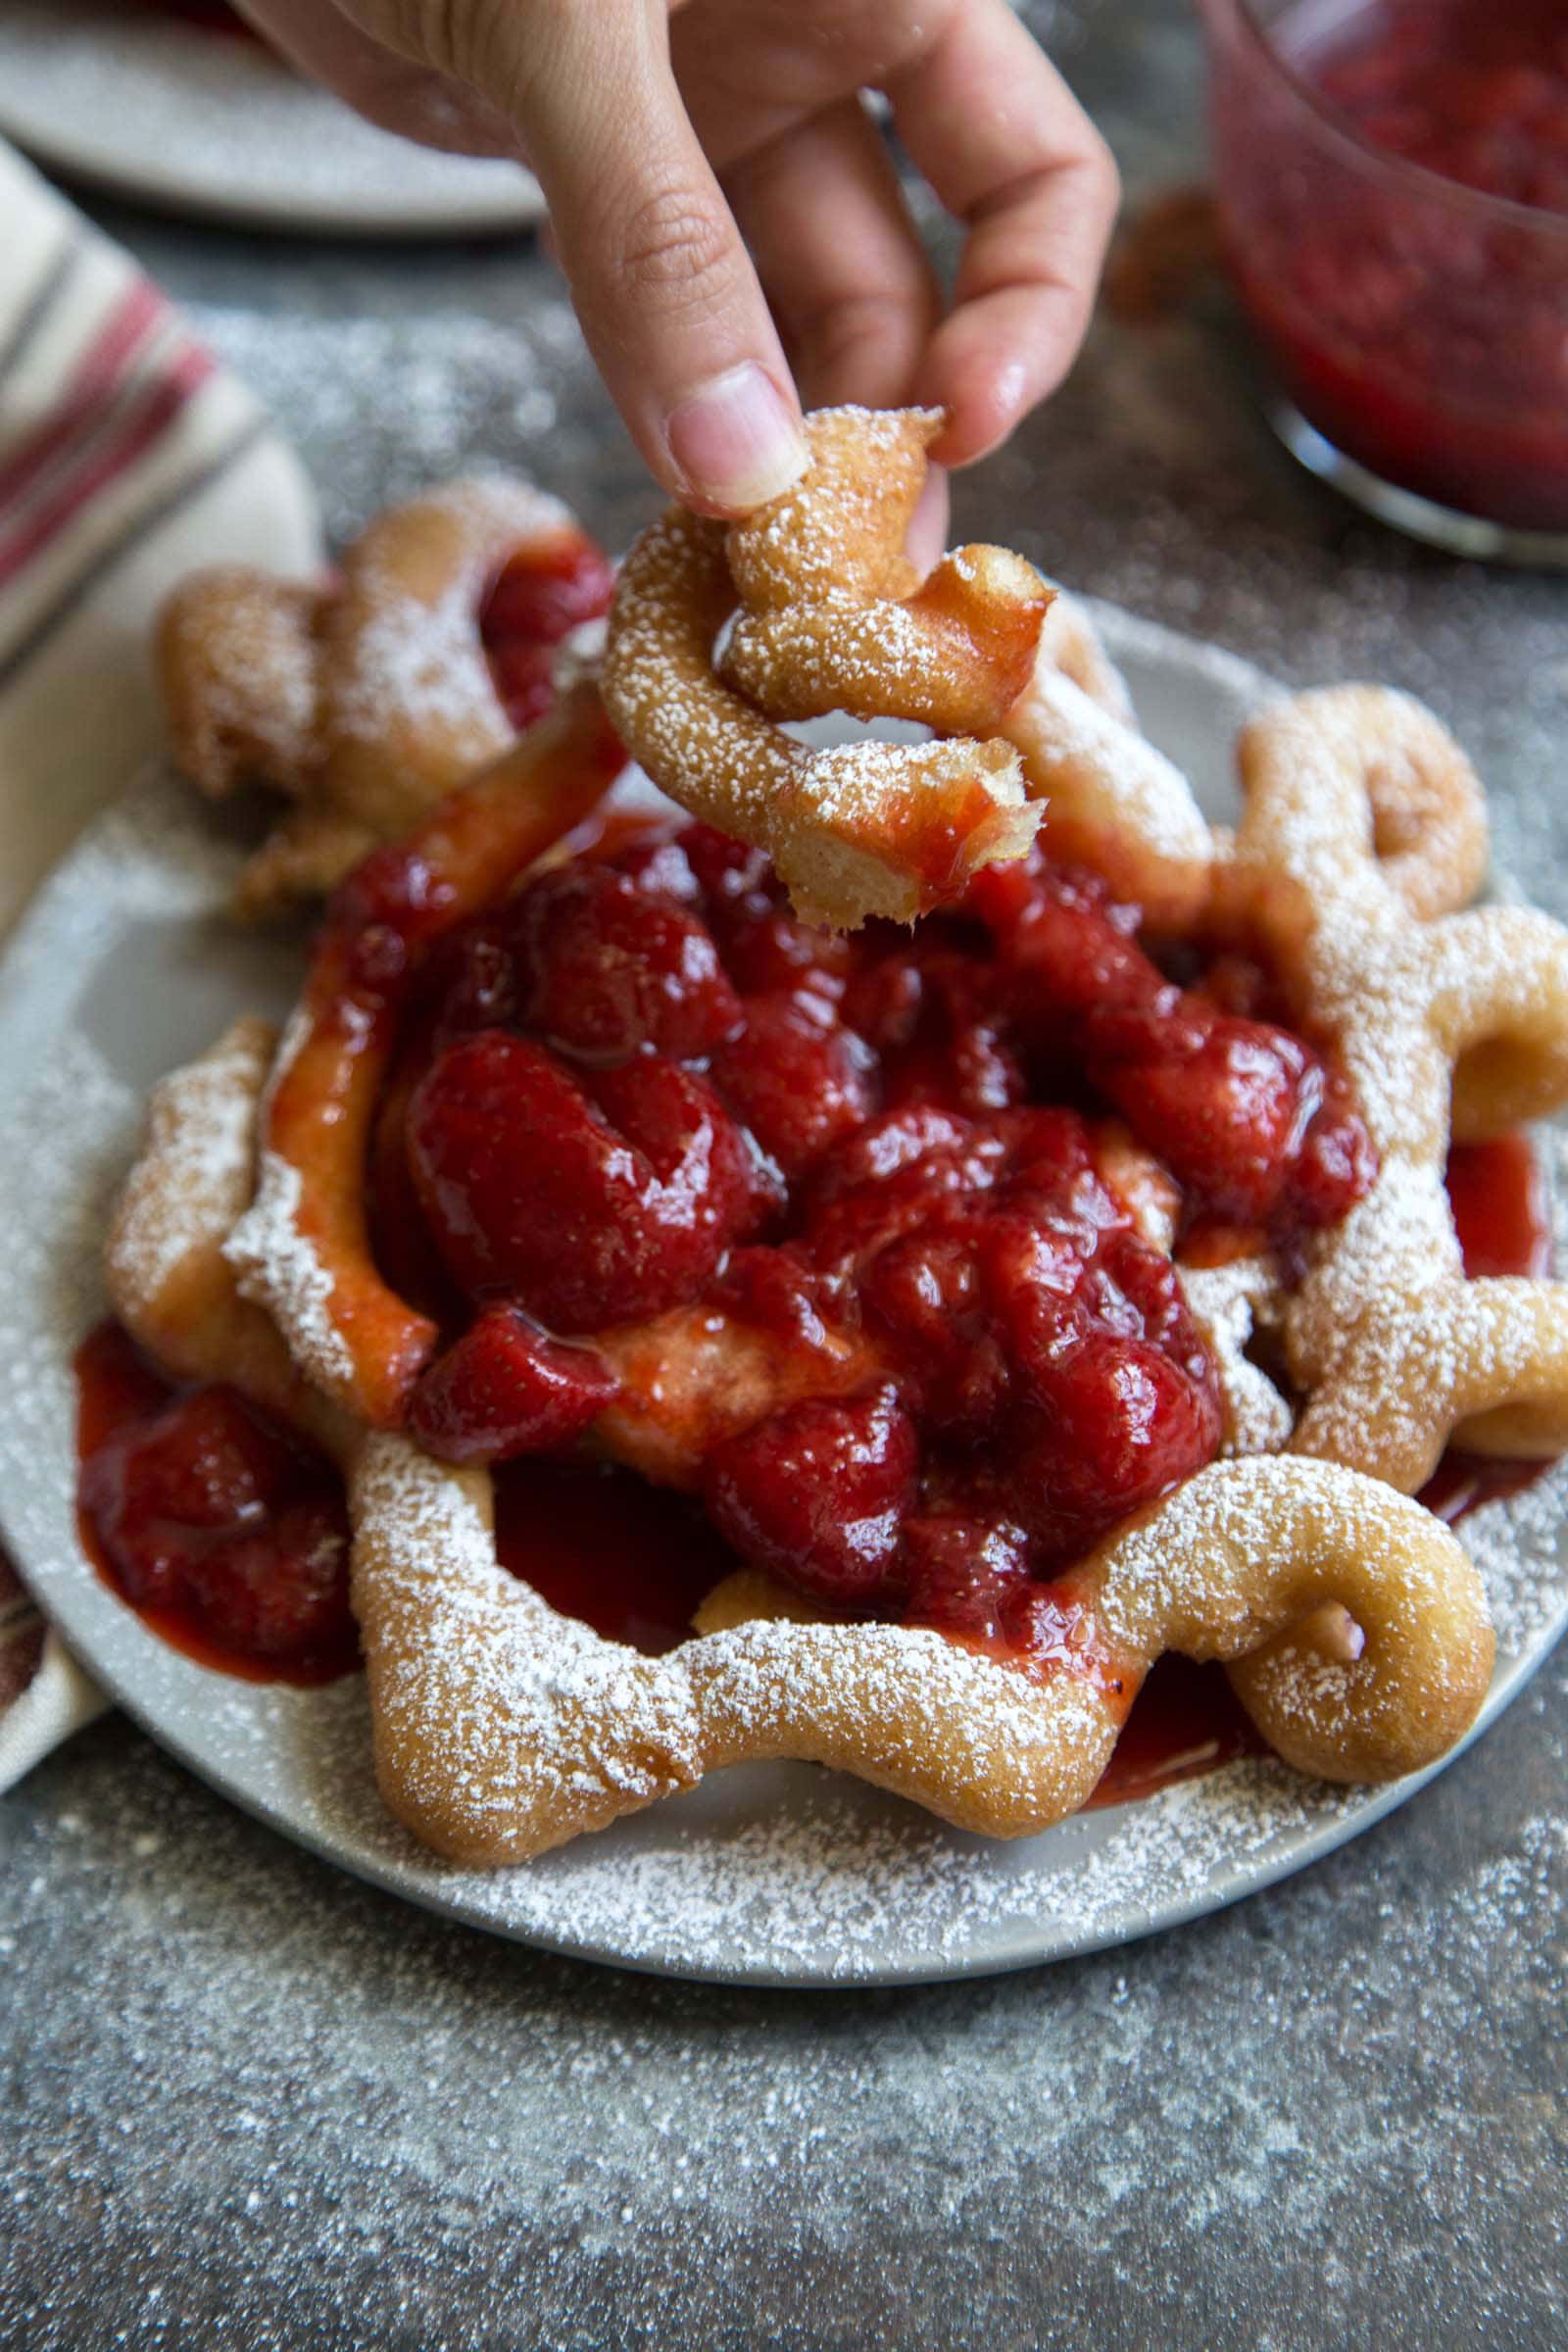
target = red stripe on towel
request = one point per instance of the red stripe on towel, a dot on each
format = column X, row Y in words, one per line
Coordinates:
column 144, row 421
column 108, row 359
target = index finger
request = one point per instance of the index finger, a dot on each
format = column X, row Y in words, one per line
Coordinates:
column 1011, row 153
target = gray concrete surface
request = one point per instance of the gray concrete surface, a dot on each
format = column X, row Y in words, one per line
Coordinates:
column 250, row 2104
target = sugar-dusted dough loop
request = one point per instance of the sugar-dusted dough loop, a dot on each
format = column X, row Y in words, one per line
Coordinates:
column 1358, row 791
column 169, row 1280
column 1070, row 643
column 1500, row 1013
column 1263, row 1547
column 831, row 617
column 837, row 535
column 1481, row 1364
column 236, row 658
column 1363, row 832
column 859, row 829
column 503, row 1729
column 365, row 701
column 1113, row 802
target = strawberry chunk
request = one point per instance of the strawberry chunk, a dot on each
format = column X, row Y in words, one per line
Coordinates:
column 614, row 968
column 280, row 1593
column 817, row 1492
column 588, row 1210
column 202, row 1467
column 794, row 1077
column 1117, row 1425
column 506, row 1389
column 964, row 1572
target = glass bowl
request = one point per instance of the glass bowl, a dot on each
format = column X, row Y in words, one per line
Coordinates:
column 1417, row 327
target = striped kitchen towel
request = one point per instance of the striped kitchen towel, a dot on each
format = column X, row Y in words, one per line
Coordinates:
column 129, row 456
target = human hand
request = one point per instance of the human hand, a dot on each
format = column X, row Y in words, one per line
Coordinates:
column 670, row 136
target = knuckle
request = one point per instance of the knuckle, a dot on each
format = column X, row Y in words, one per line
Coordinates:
column 854, row 335
column 462, row 38
column 673, row 244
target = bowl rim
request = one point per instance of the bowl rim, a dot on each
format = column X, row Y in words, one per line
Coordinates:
column 1504, row 211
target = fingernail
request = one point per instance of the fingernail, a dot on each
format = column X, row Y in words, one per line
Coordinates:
column 927, row 534
column 737, row 443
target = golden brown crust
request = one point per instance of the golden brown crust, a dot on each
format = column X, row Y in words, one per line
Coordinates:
column 863, row 829
column 235, row 658
column 1113, row 802
column 168, row 1279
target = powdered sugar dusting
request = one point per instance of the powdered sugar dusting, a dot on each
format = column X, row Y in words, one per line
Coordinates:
column 278, row 1267
column 847, row 825
column 507, row 1726
column 815, row 1880
column 418, row 664
column 502, row 1704
column 201, row 1127
column 1227, row 1303
column 415, row 661
column 247, row 638
column 1073, row 745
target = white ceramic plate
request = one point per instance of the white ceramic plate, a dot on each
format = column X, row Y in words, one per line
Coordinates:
column 775, row 1873
column 191, row 121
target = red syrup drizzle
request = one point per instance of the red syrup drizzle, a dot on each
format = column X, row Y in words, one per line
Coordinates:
column 1185, row 1721
column 632, row 1560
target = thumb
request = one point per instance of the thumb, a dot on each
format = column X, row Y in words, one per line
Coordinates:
column 662, row 282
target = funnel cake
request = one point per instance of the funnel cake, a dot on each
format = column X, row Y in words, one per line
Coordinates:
column 1015, row 1310
column 936, row 1594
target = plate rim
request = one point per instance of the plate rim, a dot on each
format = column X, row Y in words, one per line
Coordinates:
column 89, row 156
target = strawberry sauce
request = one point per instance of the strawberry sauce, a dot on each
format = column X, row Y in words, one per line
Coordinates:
column 640, row 1087
column 1419, row 322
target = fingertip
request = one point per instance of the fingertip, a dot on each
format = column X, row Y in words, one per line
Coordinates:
column 735, row 442
column 985, row 394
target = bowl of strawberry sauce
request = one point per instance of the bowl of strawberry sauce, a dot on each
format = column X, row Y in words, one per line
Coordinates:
column 1393, row 187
